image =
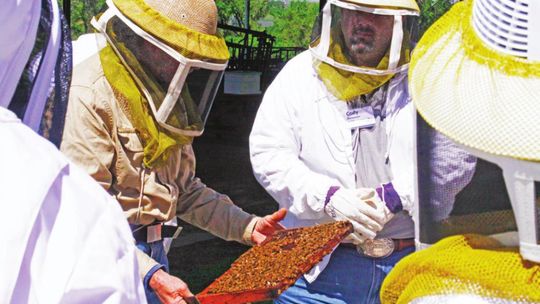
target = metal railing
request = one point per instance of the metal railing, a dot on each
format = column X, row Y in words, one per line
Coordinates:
column 250, row 51
column 254, row 51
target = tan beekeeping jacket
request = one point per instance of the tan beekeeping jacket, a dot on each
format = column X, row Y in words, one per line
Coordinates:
column 99, row 137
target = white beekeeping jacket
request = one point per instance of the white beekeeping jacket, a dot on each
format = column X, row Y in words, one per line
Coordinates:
column 301, row 145
column 64, row 239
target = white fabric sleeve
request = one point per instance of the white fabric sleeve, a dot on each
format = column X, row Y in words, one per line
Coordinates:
column 275, row 147
column 104, row 265
column 77, row 246
column 452, row 169
column 402, row 153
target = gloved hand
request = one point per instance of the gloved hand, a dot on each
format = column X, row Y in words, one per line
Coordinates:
column 371, row 195
column 358, row 207
column 390, row 201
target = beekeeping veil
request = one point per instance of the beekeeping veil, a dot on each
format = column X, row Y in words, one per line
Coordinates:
column 358, row 45
column 35, row 65
column 172, row 53
column 475, row 80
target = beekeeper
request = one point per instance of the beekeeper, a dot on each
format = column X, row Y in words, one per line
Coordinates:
column 333, row 139
column 475, row 80
column 134, row 109
column 55, row 214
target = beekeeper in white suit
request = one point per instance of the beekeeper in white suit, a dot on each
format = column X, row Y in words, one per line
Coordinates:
column 136, row 105
column 475, row 79
column 333, row 140
column 55, row 215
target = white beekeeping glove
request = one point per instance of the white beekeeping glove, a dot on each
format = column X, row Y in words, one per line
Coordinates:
column 361, row 207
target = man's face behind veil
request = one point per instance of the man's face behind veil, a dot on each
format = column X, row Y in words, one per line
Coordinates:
column 367, row 36
column 162, row 66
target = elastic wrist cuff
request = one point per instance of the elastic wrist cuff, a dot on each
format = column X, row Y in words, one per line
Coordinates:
column 390, row 197
column 150, row 273
column 329, row 194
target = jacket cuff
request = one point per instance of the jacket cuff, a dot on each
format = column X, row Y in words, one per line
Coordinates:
column 246, row 238
column 329, row 194
column 145, row 263
column 149, row 274
column 317, row 196
column 390, row 197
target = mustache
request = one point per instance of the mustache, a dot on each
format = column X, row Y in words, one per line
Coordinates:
column 363, row 29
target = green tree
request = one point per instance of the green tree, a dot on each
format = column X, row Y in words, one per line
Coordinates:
column 293, row 24
column 430, row 11
column 232, row 12
column 82, row 12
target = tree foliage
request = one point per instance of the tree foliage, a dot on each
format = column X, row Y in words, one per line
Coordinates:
column 291, row 23
column 82, row 12
column 291, row 26
column 431, row 10
column 232, row 12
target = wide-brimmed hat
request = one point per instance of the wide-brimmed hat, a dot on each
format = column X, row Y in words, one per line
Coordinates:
column 396, row 4
column 187, row 26
column 164, row 62
column 198, row 15
column 473, row 77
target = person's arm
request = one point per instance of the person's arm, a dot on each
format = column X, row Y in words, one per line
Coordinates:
column 107, row 253
column 275, row 147
column 87, row 135
column 87, row 142
column 72, row 229
column 214, row 212
column 399, row 194
column 452, row 169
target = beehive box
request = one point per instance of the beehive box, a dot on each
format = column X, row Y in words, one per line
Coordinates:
column 266, row 270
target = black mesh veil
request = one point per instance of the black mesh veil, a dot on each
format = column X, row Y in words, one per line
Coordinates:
column 52, row 121
column 458, row 192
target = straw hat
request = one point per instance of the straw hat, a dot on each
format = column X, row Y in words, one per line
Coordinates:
column 474, row 76
column 188, row 26
column 405, row 4
column 198, row 15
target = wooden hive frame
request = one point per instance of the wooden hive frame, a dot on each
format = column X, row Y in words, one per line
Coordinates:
column 258, row 274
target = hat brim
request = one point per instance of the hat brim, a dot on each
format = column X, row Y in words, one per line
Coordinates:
column 475, row 96
column 188, row 42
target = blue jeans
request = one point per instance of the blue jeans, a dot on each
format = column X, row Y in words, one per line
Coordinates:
column 157, row 252
column 349, row 278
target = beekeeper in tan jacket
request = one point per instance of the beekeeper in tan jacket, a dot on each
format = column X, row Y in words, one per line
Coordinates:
column 136, row 103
